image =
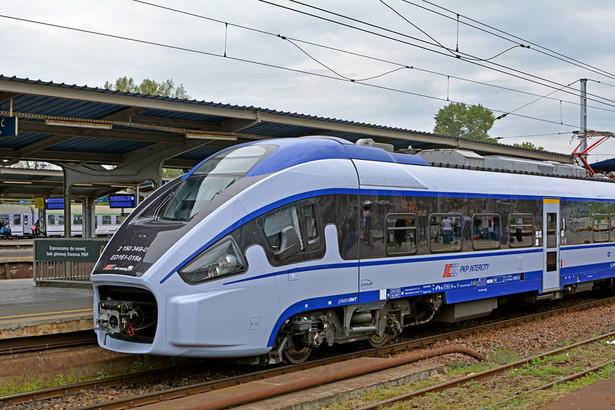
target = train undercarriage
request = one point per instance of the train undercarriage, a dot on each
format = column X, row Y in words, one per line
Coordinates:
column 373, row 322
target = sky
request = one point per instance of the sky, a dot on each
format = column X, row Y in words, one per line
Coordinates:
column 392, row 62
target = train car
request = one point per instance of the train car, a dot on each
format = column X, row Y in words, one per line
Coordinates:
column 269, row 249
column 19, row 218
column 108, row 220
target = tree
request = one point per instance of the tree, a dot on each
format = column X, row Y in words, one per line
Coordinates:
column 166, row 88
column 529, row 145
column 460, row 120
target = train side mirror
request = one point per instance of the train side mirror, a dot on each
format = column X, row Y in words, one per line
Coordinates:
column 289, row 244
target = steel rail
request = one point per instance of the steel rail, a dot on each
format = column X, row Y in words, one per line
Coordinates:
column 47, row 342
column 554, row 383
column 396, row 348
column 485, row 374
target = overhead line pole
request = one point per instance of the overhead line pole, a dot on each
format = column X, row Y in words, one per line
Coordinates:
column 583, row 133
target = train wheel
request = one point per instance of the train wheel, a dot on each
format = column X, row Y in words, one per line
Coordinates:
column 378, row 341
column 297, row 356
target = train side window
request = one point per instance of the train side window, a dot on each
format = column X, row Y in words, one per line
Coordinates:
column 444, row 232
column 612, row 227
column 16, row 219
column 601, row 228
column 106, row 220
column 401, row 234
column 309, row 217
column 521, row 230
column 486, row 231
column 77, row 219
column 60, row 219
column 273, row 223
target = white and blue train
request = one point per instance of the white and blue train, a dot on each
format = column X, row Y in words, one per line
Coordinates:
column 269, row 249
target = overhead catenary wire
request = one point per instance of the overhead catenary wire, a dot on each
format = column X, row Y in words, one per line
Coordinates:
column 472, row 60
column 513, row 38
column 294, row 42
column 456, row 51
column 260, row 63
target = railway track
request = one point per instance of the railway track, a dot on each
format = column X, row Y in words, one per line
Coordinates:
column 158, row 396
column 452, row 384
column 46, row 342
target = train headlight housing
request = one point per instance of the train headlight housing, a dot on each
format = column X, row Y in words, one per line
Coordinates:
column 221, row 259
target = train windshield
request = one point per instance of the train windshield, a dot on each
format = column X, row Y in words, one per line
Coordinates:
column 211, row 178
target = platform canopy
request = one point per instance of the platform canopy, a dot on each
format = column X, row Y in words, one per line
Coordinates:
column 82, row 128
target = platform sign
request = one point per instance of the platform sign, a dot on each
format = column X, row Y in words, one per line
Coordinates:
column 122, row 201
column 68, row 250
column 54, row 203
column 39, row 203
column 8, row 126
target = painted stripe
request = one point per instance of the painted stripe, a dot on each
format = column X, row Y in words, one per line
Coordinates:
column 340, row 191
column 60, row 312
column 385, row 262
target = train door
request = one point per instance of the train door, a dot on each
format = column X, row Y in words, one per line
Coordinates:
column 550, row 243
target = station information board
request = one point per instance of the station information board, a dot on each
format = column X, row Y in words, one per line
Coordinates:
column 54, row 203
column 122, row 201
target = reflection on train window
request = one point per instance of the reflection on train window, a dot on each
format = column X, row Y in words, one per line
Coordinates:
column 486, row 231
column 581, row 229
column 521, row 230
column 309, row 216
column 601, row 228
column 273, row 223
column 612, row 225
column 77, row 219
column 118, row 219
column 445, row 232
column 401, row 234
column 106, row 220
column 60, row 219
column 16, row 219
column 551, row 230
column 194, row 194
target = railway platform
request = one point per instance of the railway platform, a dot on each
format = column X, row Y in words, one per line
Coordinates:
column 30, row 310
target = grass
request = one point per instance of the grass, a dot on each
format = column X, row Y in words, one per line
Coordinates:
column 478, row 394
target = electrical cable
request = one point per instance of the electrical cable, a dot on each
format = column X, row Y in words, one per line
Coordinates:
column 295, row 40
column 400, row 65
column 263, row 64
column 519, row 73
column 456, row 51
column 555, row 54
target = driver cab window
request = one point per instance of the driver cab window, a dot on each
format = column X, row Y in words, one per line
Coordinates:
column 302, row 218
column 273, row 223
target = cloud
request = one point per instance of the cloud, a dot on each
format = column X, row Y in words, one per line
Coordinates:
column 408, row 98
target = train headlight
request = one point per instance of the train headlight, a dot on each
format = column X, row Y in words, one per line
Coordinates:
column 221, row 259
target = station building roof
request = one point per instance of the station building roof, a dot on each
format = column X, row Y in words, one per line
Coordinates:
column 63, row 123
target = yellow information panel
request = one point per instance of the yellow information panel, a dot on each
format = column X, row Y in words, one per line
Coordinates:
column 39, row 203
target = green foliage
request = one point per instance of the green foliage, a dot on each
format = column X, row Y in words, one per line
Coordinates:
column 529, row 145
column 460, row 120
column 166, row 88
column 170, row 173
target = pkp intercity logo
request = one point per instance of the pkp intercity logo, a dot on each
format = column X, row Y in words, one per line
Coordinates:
column 450, row 269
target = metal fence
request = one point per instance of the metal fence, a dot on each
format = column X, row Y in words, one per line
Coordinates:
column 66, row 261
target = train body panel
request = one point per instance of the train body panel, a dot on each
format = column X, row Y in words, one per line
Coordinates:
column 261, row 252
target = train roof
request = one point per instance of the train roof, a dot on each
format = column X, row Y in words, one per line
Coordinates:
column 297, row 151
